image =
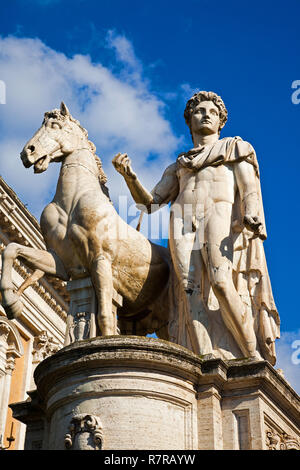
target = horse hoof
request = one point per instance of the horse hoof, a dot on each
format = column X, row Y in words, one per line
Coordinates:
column 12, row 304
column 14, row 310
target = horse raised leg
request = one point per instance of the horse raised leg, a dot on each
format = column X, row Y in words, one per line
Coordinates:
column 39, row 260
column 35, row 276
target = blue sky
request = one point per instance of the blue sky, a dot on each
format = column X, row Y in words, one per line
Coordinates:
column 126, row 69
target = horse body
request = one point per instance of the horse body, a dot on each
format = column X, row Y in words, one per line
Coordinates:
column 83, row 226
column 83, row 233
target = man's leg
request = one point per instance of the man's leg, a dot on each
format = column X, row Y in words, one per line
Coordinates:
column 188, row 266
column 217, row 254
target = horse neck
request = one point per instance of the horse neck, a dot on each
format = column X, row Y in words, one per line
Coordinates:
column 78, row 174
column 81, row 158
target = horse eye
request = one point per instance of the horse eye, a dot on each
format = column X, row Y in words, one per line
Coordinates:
column 55, row 125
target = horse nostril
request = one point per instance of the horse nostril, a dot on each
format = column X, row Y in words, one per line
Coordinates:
column 31, row 148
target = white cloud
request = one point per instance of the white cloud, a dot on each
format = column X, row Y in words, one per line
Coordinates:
column 119, row 111
column 124, row 50
column 187, row 91
column 288, row 357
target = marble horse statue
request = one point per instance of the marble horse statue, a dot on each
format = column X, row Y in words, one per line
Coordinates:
column 85, row 236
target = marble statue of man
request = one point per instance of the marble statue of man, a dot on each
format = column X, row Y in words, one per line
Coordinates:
column 221, row 296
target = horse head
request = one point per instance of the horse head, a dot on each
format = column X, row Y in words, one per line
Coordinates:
column 59, row 135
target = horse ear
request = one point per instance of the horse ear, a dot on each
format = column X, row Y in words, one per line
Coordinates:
column 64, row 110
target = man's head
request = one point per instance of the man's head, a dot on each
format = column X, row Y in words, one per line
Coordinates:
column 205, row 113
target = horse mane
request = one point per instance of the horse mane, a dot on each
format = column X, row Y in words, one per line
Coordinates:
column 56, row 114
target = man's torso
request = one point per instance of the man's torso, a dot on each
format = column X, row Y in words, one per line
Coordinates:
column 207, row 186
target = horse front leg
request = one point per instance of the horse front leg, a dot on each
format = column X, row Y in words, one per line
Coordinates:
column 41, row 261
column 34, row 277
column 101, row 274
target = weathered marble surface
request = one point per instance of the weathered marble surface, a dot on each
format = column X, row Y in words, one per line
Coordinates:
column 221, row 300
column 209, row 291
column 84, row 235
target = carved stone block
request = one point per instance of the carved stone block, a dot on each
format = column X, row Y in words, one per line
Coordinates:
column 82, row 315
column 85, row 433
column 81, row 320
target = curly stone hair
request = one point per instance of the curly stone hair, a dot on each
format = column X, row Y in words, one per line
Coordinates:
column 205, row 96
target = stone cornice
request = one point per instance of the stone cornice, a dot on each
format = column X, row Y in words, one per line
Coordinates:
column 261, row 375
column 127, row 350
column 17, row 221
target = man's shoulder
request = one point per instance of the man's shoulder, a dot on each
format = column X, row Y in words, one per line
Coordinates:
column 171, row 168
column 239, row 150
column 237, row 139
column 242, row 147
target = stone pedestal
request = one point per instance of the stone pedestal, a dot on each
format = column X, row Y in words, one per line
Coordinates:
column 128, row 392
column 81, row 320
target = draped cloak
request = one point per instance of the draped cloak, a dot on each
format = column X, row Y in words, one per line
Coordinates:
column 250, row 273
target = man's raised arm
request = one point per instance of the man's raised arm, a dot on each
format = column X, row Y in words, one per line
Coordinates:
column 165, row 191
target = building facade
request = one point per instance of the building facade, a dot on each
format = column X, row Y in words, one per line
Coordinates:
column 39, row 332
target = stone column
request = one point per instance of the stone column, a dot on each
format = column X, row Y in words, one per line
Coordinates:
column 210, row 432
column 4, row 393
column 210, row 419
column 10, row 365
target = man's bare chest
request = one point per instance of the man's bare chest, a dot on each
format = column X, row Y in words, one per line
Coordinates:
column 213, row 183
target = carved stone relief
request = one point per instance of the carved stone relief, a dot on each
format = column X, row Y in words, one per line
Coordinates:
column 276, row 439
column 43, row 346
column 85, row 433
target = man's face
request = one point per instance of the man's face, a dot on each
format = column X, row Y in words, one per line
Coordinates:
column 205, row 118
